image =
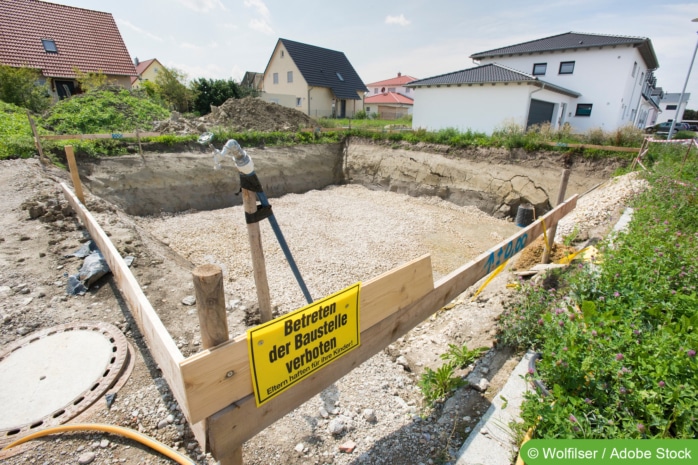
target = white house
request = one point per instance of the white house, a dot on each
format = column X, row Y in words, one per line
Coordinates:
column 669, row 103
column 586, row 80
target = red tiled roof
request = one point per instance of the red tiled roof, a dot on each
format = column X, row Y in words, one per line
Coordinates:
column 400, row 80
column 389, row 97
column 86, row 39
column 140, row 68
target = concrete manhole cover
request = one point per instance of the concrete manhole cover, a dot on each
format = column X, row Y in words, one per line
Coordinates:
column 51, row 376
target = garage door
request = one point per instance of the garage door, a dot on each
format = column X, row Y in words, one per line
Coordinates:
column 540, row 112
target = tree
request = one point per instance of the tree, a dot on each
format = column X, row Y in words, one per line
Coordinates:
column 213, row 92
column 171, row 88
column 23, row 87
column 91, row 81
column 690, row 115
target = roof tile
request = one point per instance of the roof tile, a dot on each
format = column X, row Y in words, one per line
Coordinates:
column 85, row 39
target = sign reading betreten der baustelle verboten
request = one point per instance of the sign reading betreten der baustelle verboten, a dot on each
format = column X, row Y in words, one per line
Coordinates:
column 291, row 347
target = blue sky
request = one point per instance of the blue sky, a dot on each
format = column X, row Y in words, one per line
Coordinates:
column 225, row 38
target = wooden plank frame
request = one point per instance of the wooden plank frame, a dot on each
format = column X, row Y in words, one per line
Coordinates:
column 216, row 384
column 117, row 135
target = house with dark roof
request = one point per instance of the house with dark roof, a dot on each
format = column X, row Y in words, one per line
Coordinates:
column 584, row 80
column 317, row 81
column 147, row 70
column 57, row 39
column 390, row 98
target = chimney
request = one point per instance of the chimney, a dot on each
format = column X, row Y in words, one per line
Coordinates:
column 399, row 74
column 135, row 61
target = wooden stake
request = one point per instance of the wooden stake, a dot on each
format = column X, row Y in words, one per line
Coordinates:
column 74, row 173
column 210, row 306
column 37, row 140
column 553, row 229
column 249, row 201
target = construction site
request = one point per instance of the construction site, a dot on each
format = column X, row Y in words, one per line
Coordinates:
column 418, row 228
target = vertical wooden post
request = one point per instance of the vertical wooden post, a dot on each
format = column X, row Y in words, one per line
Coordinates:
column 37, row 140
column 74, row 173
column 210, row 306
column 553, row 229
column 140, row 147
column 249, row 200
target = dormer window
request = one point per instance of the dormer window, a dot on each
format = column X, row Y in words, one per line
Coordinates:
column 339, row 76
column 49, row 45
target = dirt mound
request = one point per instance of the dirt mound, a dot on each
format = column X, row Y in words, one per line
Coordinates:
column 533, row 254
column 247, row 114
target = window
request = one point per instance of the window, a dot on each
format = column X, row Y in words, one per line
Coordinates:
column 566, row 67
column 391, row 89
column 282, row 53
column 298, row 101
column 375, row 90
column 671, row 107
column 539, row 69
column 276, row 78
column 634, row 69
column 339, row 76
column 368, row 109
column 407, row 90
column 49, row 45
column 583, row 109
column 289, row 76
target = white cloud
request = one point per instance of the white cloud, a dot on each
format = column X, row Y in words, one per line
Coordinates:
column 263, row 22
column 133, row 27
column 399, row 20
column 260, row 6
column 262, row 26
column 203, row 6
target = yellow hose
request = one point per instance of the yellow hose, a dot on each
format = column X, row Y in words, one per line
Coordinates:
column 119, row 430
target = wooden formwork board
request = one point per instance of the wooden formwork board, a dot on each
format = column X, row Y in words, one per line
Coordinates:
column 231, row 427
column 159, row 341
column 208, row 383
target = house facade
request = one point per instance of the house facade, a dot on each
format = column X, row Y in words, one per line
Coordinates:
column 390, row 98
column 320, row 82
column 147, row 70
column 669, row 103
column 585, row 80
column 58, row 39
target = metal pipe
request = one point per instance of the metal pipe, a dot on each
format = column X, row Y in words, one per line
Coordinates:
column 678, row 107
column 244, row 164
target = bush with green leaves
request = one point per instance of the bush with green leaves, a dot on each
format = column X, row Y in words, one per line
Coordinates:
column 15, row 132
column 22, row 87
column 209, row 92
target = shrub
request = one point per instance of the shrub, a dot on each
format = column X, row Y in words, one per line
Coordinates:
column 22, row 87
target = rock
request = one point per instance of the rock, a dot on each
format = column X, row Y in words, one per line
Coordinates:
column 23, row 330
column 299, row 447
column 336, row 427
column 189, row 300
column 36, row 211
column 370, row 415
column 104, row 443
column 87, row 457
column 163, row 424
column 481, row 385
column 402, row 360
column 324, row 413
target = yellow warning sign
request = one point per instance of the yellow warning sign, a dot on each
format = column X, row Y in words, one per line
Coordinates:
column 289, row 348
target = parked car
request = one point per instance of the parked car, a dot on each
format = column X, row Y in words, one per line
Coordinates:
column 663, row 128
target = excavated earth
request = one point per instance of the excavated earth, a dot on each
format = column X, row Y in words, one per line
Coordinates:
column 349, row 213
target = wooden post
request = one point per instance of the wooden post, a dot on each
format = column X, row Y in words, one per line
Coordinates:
column 553, row 229
column 140, row 147
column 210, row 305
column 74, row 173
column 249, row 201
column 37, row 140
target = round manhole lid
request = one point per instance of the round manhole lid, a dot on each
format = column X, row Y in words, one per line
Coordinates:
column 53, row 375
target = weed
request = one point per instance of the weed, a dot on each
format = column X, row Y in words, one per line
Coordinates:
column 438, row 384
column 461, row 356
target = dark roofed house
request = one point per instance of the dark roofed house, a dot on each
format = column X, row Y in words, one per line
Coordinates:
column 57, row 39
column 585, row 80
column 317, row 81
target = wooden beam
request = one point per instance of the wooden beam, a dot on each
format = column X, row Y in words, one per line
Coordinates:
column 116, row 135
column 610, row 148
column 162, row 346
column 74, row 173
column 37, row 139
column 213, row 379
column 239, row 422
column 259, row 267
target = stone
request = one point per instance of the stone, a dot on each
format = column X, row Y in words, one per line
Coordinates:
column 324, row 413
column 402, row 360
column 299, row 447
column 189, row 300
column 481, row 385
column 336, row 427
column 369, row 415
column 87, row 457
column 104, row 443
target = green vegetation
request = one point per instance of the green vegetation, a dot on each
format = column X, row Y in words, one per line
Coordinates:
column 18, row 86
column 15, row 132
column 215, row 92
column 619, row 335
